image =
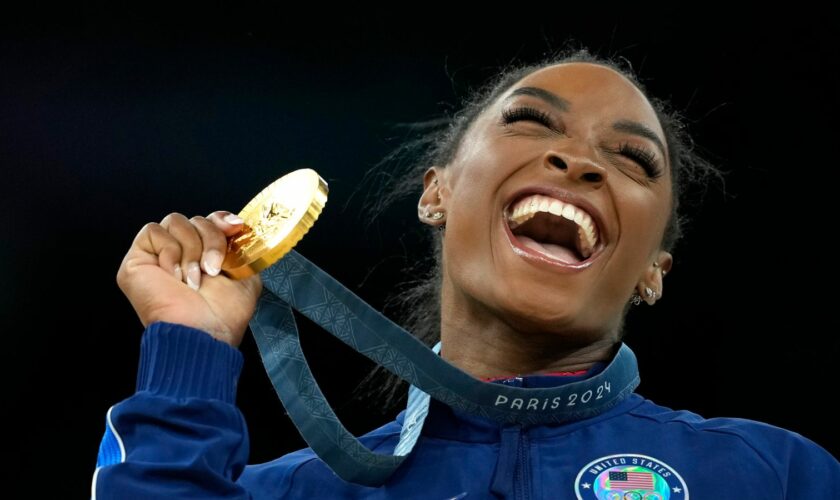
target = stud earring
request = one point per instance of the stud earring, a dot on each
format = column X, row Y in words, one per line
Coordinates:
column 636, row 299
column 651, row 294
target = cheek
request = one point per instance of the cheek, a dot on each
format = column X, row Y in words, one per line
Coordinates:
column 478, row 175
column 474, row 217
column 643, row 216
column 470, row 219
column 476, row 181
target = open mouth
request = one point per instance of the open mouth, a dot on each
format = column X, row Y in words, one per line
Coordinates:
column 555, row 231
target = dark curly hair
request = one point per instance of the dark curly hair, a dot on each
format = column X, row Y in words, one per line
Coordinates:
column 417, row 301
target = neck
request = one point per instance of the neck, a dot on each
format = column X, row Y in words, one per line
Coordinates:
column 483, row 345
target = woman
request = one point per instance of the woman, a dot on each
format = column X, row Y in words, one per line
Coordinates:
column 558, row 187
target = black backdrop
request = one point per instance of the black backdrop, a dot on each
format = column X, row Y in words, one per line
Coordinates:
column 111, row 120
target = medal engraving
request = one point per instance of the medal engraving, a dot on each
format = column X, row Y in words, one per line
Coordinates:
column 275, row 220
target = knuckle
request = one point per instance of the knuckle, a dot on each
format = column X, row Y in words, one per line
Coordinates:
column 149, row 226
column 173, row 217
column 209, row 230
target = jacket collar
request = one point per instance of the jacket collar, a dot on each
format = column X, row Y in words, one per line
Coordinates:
column 429, row 417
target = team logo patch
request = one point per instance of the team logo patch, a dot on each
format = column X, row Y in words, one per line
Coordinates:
column 629, row 477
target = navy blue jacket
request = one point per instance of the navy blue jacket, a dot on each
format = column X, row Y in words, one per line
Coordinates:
column 181, row 436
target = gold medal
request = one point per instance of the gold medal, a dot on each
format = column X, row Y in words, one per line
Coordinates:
column 275, row 220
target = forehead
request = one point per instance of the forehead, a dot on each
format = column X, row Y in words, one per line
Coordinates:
column 593, row 90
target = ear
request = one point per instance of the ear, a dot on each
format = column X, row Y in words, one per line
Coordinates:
column 431, row 208
column 653, row 277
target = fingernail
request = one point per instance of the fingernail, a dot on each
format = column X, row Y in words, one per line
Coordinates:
column 193, row 275
column 212, row 262
column 233, row 219
column 177, row 272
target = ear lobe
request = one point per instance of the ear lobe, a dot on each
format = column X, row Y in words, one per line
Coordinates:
column 651, row 288
column 431, row 201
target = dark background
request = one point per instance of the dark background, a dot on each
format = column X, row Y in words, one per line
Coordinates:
column 109, row 120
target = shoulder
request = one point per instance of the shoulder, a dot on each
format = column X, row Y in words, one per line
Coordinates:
column 285, row 469
column 760, row 435
column 796, row 459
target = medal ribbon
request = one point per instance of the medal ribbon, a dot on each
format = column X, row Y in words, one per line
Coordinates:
column 293, row 282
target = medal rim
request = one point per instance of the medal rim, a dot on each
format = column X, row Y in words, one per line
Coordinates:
column 240, row 264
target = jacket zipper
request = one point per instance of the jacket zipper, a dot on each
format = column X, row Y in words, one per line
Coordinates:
column 522, row 478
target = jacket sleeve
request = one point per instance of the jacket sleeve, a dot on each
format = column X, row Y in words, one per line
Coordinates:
column 803, row 469
column 180, row 434
column 810, row 471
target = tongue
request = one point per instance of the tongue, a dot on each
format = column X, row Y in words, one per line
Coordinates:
column 550, row 249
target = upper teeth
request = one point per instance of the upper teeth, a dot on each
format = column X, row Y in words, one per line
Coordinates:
column 529, row 206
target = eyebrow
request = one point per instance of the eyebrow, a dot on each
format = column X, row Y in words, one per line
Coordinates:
column 563, row 105
column 558, row 102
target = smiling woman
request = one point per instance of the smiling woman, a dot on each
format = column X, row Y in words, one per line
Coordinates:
column 553, row 200
column 572, row 158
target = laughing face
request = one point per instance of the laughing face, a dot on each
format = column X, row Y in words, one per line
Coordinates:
column 555, row 206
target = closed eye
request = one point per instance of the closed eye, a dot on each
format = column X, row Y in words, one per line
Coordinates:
column 642, row 156
column 526, row 113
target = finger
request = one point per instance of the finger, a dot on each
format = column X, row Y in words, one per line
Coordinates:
column 213, row 242
column 160, row 247
column 228, row 222
column 191, row 247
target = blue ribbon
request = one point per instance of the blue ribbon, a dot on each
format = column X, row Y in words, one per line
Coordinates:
column 294, row 282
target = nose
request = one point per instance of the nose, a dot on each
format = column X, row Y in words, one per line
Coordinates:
column 576, row 167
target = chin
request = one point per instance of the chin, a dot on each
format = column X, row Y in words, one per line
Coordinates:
column 533, row 312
